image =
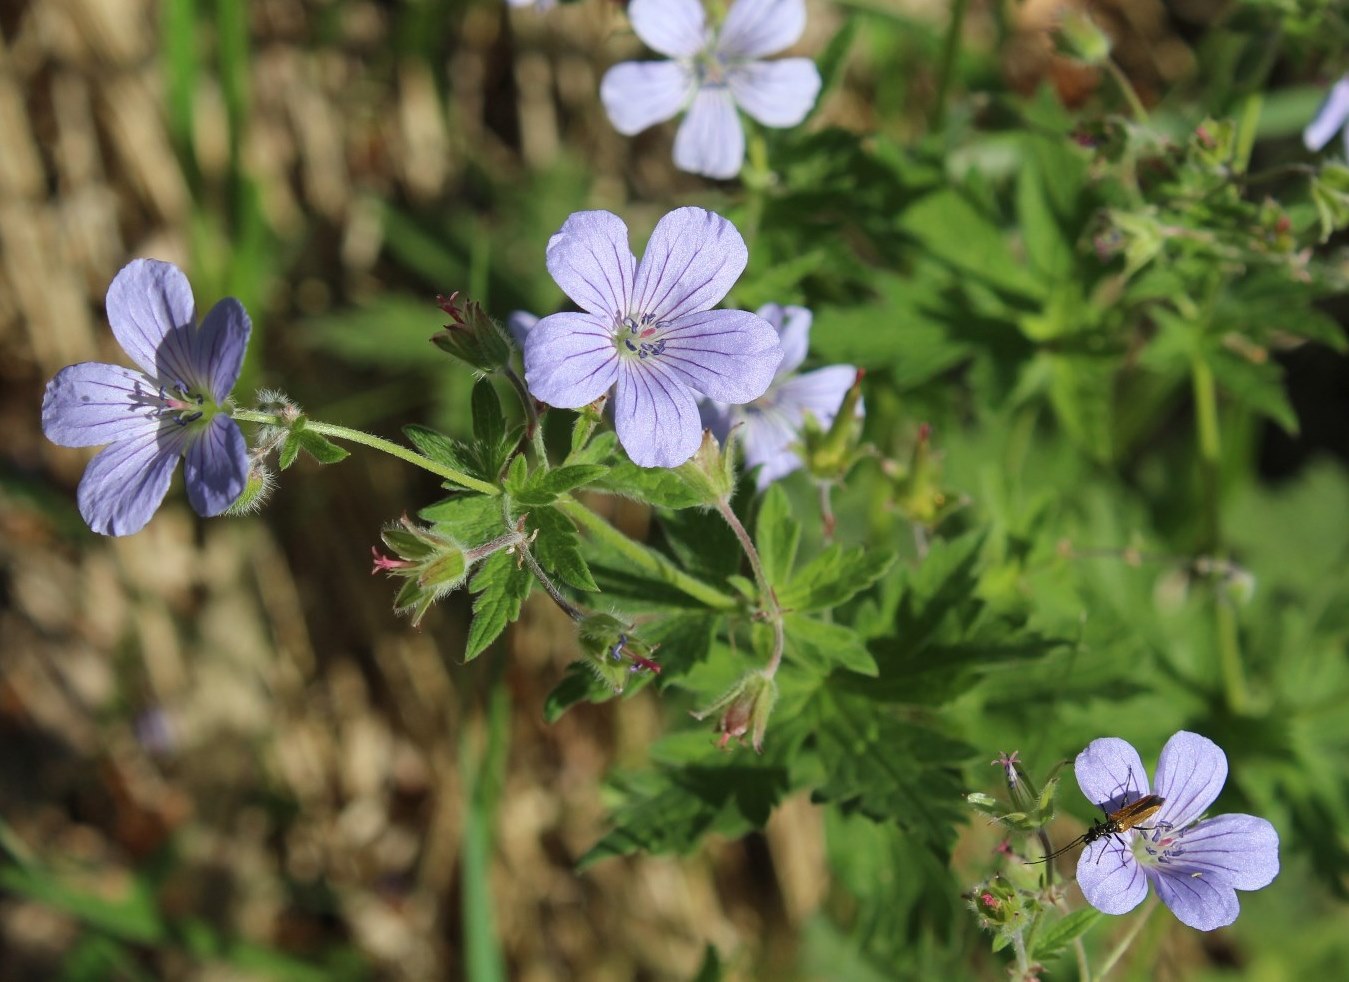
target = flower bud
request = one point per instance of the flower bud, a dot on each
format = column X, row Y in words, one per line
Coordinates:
column 918, row 492
column 710, row 472
column 830, row 453
column 258, row 487
column 472, row 336
column 613, row 651
column 744, row 709
column 1081, row 38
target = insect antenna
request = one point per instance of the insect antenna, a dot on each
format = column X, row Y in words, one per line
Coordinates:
column 1057, row 852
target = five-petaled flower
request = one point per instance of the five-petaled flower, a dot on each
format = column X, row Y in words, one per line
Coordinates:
column 772, row 423
column 1196, row 866
column 712, row 73
column 174, row 406
column 649, row 329
column 1330, row 118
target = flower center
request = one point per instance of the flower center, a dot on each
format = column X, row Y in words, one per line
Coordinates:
column 1159, row 847
column 176, row 401
column 710, row 70
column 639, row 337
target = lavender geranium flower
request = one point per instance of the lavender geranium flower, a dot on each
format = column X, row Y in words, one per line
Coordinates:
column 713, row 72
column 518, row 323
column 1330, row 118
column 1196, row 866
column 174, row 406
column 772, row 423
column 649, row 329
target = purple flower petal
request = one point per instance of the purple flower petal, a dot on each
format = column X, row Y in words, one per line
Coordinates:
column 1110, row 773
column 1330, row 117
column 1111, row 879
column 1242, row 849
column 754, row 28
column 570, row 360
column 1201, row 901
column 768, row 437
column 727, row 355
column 793, row 327
column 776, row 93
column 638, row 94
column 216, row 466
column 677, row 28
column 711, row 141
column 217, row 347
column 149, row 302
column 656, row 417
column 1191, row 771
column 590, row 260
column 693, row 259
column 92, row 404
column 819, row 393
column 519, row 322
column 125, row 482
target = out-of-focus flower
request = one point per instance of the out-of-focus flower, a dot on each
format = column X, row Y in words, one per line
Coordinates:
column 772, row 423
column 518, row 323
column 175, row 406
column 649, row 329
column 536, row 4
column 1330, row 118
column 712, row 73
column 1196, row 866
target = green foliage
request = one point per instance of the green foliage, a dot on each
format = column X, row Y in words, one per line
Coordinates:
column 502, row 585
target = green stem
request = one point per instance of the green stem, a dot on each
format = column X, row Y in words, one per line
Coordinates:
column 950, row 50
column 1210, row 451
column 652, row 563
column 538, row 572
column 526, row 401
column 773, row 610
column 1229, row 653
column 1113, row 958
column 374, row 443
column 1246, row 127
column 1126, row 88
column 756, row 177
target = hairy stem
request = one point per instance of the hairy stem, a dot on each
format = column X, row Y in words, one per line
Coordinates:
column 374, row 443
column 1126, row 88
column 773, row 611
column 651, row 563
column 1113, row 958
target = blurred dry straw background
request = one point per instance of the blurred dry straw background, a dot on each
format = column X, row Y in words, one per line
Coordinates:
column 216, row 735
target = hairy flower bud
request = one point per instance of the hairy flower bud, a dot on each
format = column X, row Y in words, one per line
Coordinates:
column 744, row 709
column 613, row 651
column 432, row 563
column 472, row 336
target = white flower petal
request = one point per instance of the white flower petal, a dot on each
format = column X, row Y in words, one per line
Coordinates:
column 590, row 260
column 125, row 483
column 1110, row 773
column 711, row 141
column 655, row 415
column 677, row 28
column 1111, row 879
column 1199, row 900
column 776, row 93
column 638, row 94
column 1191, row 772
column 1330, row 117
column 693, row 259
column 754, row 28
column 727, row 355
column 148, row 302
column 570, row 360
column 92, row 404
column 215, row 466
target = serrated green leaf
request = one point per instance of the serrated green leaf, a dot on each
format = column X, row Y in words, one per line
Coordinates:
column 470, row 518
column 290, row 449
column 952, row 228
column 578, row 684
column 702, row 542
column 502, row 586
column 825, row 647
column 1258, row 386
column 600, row 450
column 489, row 422
column 543, row 487
column 777, row 535
column 834, row 577
column 439, row 447
column 1062, row 933
column 321, row 448
column 659, row 486
column 557, row 547
column 517, row 476
column 671, row 810
column 887, row 768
